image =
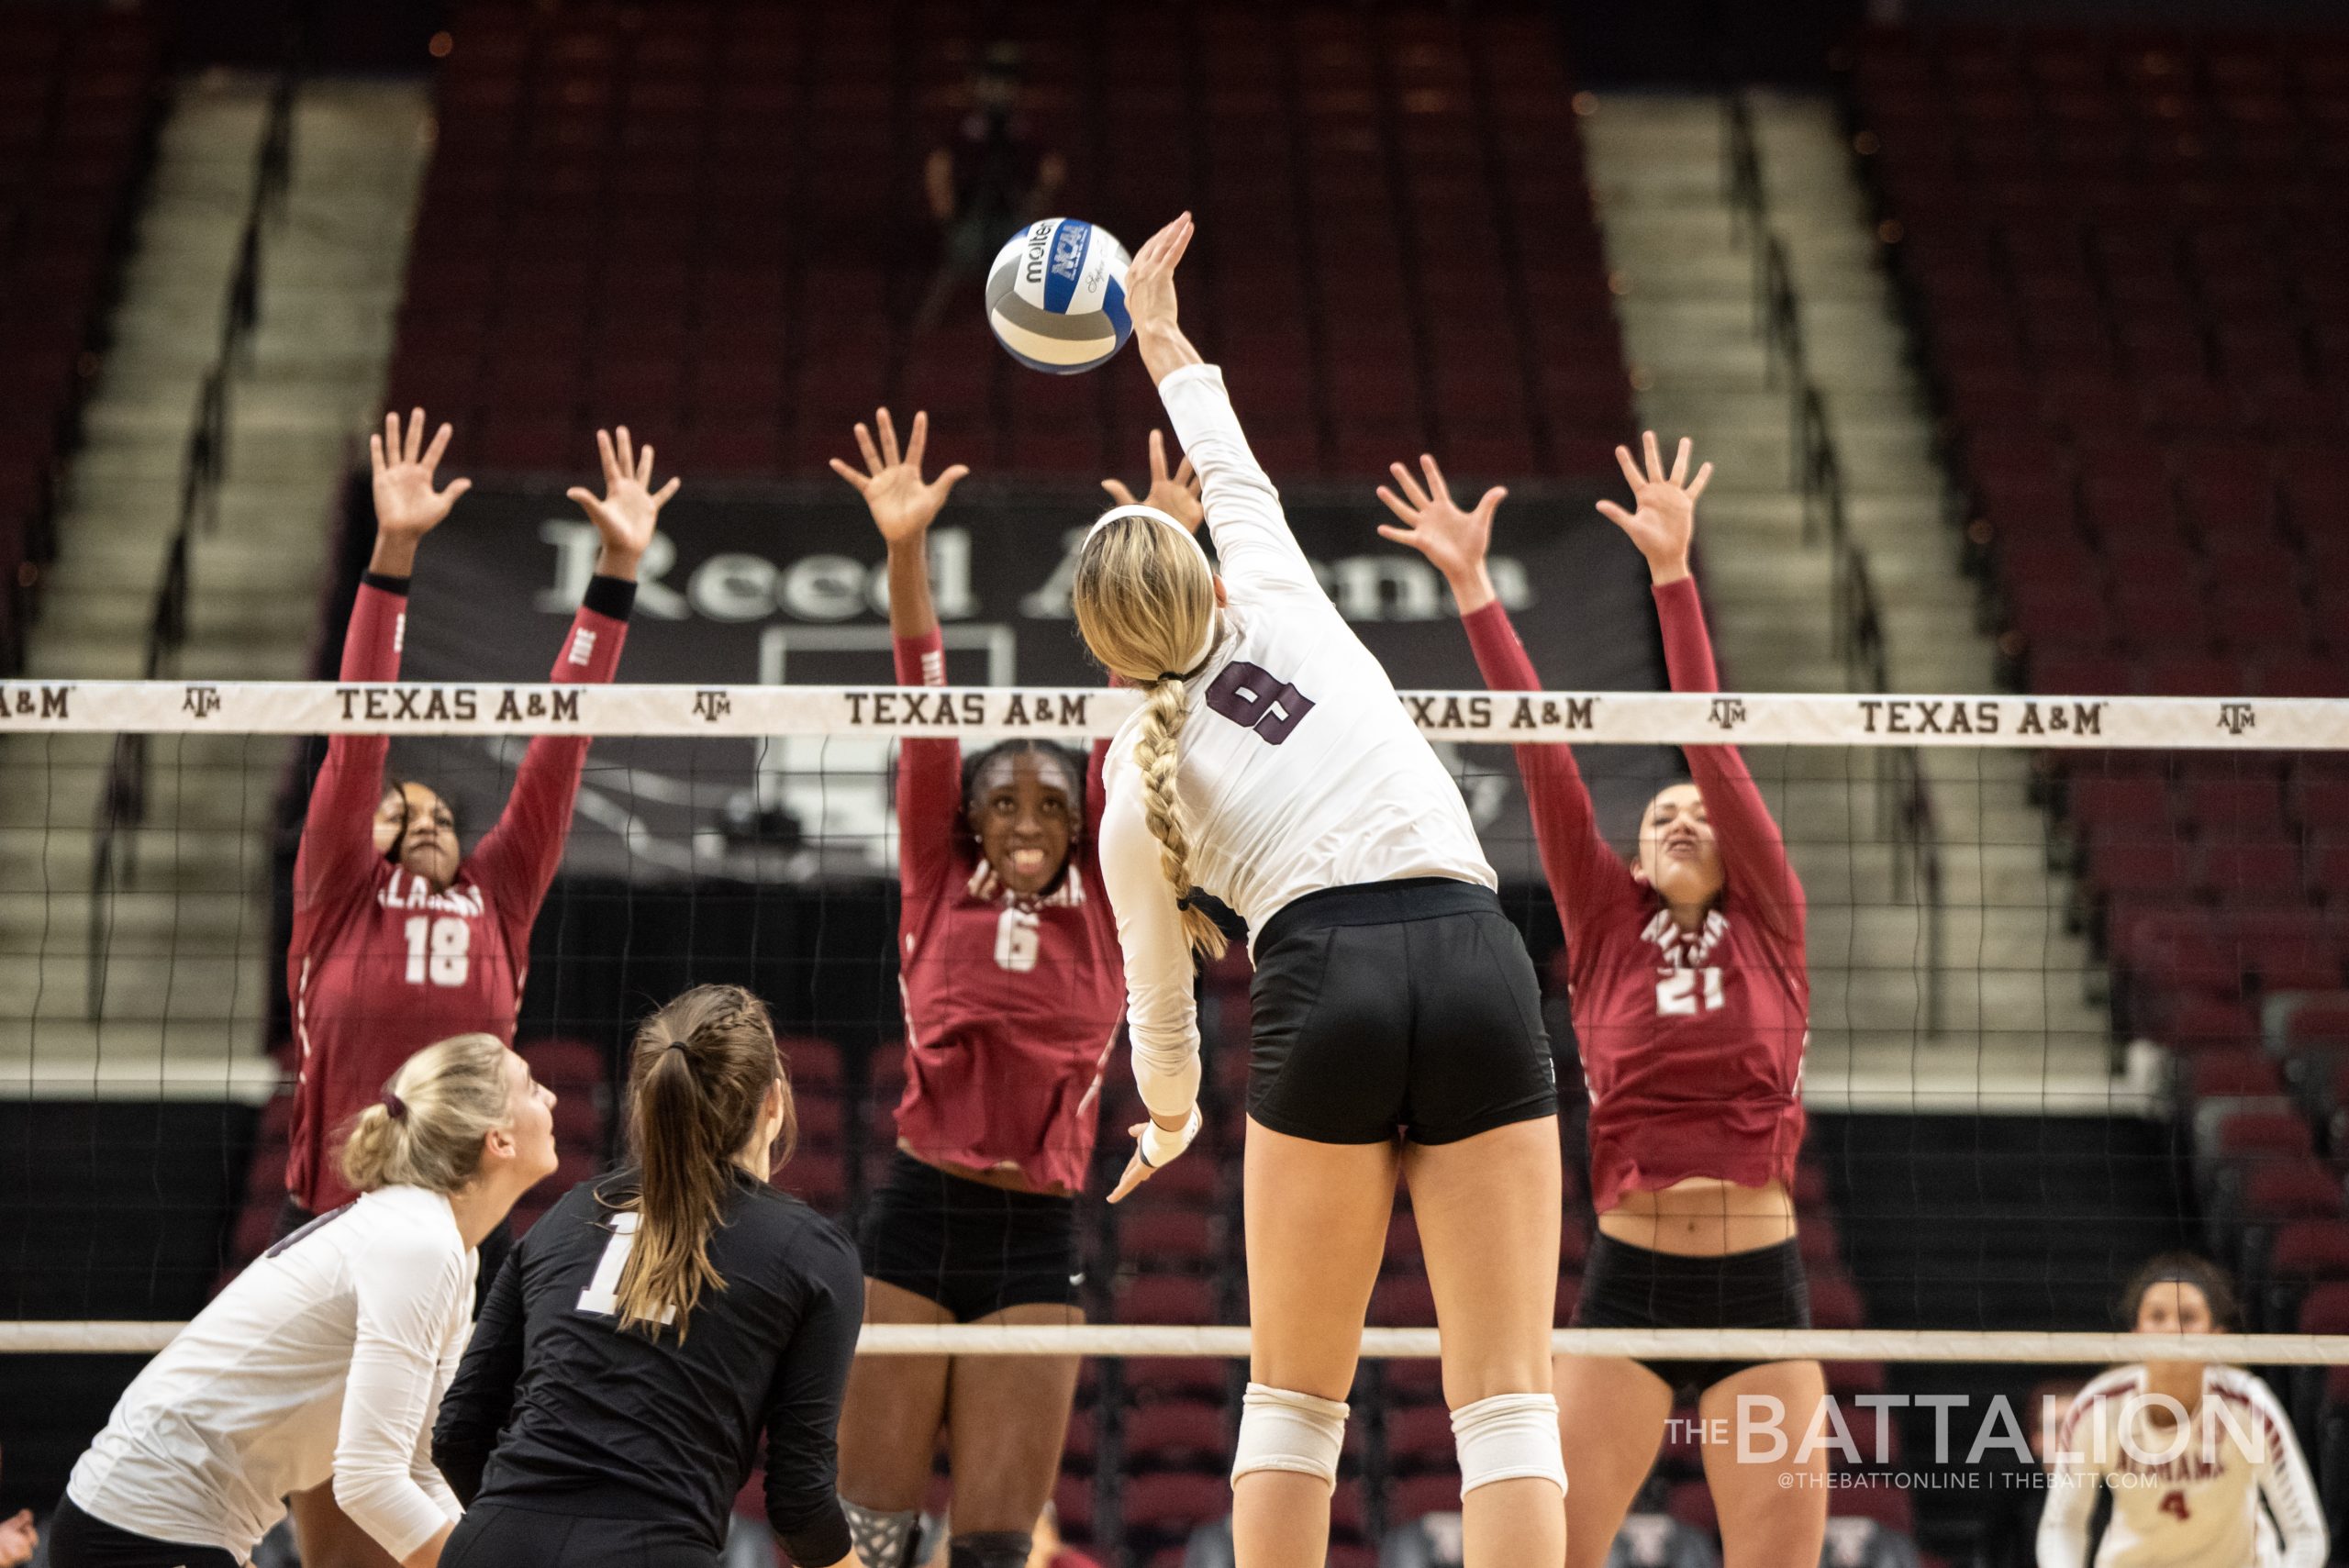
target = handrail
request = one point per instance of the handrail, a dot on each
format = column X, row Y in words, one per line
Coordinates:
column 203, row 459
column 1905, row 812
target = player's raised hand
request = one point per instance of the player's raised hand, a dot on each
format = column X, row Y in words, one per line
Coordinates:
column 1665, row 519
column 1431, row 522
column 1175, row 494
column 407, row 505
column 1149, row 301
column 1150, row 276
column 902, row 503
column 629, row 510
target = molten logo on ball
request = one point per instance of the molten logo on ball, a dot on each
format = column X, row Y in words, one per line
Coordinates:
column 1056, row 296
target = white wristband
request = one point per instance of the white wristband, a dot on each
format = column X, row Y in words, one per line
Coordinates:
column 1157, row 1145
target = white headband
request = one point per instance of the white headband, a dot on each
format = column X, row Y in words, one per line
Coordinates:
column 1137, row 510
column 1206, row 646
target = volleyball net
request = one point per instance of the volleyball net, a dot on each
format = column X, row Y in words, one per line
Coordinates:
column 2076, row 969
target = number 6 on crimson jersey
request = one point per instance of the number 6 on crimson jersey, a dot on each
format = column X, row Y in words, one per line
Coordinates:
column 1254, row 699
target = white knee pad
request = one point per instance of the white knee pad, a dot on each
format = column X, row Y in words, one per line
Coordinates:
column 1282, row 1430
column 1508, row 1437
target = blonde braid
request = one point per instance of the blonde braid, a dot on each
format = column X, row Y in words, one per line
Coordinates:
column 1157, row 754
column 1146, row 605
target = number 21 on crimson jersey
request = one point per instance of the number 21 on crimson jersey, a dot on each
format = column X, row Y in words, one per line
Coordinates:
column 1677, row 996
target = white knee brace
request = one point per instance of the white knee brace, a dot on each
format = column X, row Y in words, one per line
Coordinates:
column 1281, row 1430
column 1508, row 1437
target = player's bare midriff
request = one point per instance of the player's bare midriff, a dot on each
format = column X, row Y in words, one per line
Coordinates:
column 1702, row 1217
column 1005, row 1177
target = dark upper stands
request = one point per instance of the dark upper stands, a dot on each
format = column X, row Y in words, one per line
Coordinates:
column 705, row 219
column 80, row 94
column 2129, row 259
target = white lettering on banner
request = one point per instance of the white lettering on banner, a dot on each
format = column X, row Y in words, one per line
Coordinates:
column 576, row 546
column 823, row 587
column 1365, row 588
column 732, row 586
column 736, row 585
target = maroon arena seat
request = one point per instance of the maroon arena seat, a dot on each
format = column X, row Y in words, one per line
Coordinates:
column 1486, row 200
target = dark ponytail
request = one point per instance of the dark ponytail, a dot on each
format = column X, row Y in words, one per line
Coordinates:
column 698, row 1081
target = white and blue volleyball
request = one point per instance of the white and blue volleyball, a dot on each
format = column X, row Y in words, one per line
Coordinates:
column 1056, row 296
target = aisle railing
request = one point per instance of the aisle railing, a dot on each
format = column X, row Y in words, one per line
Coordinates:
column 1904, row 805
column 204, row 459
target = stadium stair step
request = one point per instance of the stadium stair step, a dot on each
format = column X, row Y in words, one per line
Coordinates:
column 188, row 979
column 2022, row 996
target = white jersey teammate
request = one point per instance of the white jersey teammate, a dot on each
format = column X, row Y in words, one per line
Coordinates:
column 327, row 1356
column 2189, row 1452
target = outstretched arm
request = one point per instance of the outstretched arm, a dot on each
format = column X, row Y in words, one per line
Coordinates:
column 1754, row 853
column 1586, row 877
column 904, row 505
column 1252, row 542
column 519, row 856
column 338, row 836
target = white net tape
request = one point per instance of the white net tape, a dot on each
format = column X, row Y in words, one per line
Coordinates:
column 315, row 707
column 1405, row 1344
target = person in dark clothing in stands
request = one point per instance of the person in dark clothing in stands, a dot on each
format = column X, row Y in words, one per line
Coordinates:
column 985, row 181
column 655, row 1323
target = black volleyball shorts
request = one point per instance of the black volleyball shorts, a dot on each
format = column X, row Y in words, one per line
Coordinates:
column 1396, row 1008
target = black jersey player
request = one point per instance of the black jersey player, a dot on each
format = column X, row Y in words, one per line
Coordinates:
column 657, row 1324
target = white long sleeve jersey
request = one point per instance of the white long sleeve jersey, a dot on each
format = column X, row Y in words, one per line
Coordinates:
column 1299, row 769
column 2190, row 1504
column 327, row 1356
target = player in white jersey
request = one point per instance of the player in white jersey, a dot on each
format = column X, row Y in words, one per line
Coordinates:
column 1397, row 1022
column 2188, row 1450
column 326, row 1359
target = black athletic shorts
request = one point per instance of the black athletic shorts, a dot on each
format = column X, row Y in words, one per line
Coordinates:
column 76, row 1541
column 502, row 1533
column 292, row 1217
column 971, row 1248
column 1396, row 1006
column 1625, row 1286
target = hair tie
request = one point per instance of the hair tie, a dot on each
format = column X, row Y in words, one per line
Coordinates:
column 395, row 1107
column 675, row 1045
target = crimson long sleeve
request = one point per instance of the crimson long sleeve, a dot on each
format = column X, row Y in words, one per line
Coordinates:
column 519, row 855
column 1753, row 854
column 338, row 834
column 1587, row 878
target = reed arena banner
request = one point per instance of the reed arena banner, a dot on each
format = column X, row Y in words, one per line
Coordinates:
column 788, row 583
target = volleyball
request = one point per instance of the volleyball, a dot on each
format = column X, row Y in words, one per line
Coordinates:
column 1056, row 296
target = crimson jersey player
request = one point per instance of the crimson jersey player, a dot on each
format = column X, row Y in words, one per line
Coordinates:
column 1691, row 1002
column 399, row 939
column 1013, row 989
